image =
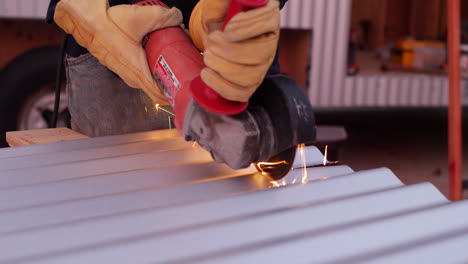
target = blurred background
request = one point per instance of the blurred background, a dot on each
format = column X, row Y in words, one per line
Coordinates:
column 376, row 67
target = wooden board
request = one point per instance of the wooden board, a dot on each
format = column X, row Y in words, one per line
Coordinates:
column 41, row 136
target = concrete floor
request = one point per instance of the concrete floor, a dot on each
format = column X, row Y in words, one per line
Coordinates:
column 411, row 142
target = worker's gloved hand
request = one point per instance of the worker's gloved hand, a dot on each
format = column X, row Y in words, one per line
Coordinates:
column 113, row 35
column 238, row 58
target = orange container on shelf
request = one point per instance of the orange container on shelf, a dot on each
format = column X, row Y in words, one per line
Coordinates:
column 421, row 54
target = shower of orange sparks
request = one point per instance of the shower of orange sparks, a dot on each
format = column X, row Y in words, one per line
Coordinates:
column 264, row 166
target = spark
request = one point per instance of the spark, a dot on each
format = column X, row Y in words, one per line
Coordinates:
column 162, row 109
column 325, row 156
column 146, row 109
column 275, row 184
column 304, row 165
column 266, row 163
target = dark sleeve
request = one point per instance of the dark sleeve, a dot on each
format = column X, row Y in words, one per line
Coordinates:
column 275, row 66
column 185, row 6
column 53, row 3
column 282, row 3
column 73, row 48
column 51, row 11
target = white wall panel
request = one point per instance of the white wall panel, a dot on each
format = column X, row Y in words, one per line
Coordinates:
column 32, row 9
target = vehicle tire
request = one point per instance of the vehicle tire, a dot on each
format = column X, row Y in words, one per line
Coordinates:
column 26, row 81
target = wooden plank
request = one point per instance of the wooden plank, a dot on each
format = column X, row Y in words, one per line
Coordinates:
column 41, row 136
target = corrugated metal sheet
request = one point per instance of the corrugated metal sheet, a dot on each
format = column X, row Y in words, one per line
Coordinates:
column 101, row 201
column 329, row 21
column 33, row 9
column 329, row 86
column 400, row 90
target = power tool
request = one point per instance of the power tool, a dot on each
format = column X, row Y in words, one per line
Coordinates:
column 268, row 129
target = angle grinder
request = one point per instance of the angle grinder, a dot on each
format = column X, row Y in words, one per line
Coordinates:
column 276, row 119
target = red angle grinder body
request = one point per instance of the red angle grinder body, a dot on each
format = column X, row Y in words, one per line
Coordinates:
column 176, row 64
column 174, row 61
column 278, row 117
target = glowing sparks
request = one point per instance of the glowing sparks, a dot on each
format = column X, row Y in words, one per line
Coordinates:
column 267, row 168
column 146, row 109
column 325, row 161
column 275, row 184
column 162, row 109
column 302, row 173
column 278, row 183
column 269, row 164
column 304, row 164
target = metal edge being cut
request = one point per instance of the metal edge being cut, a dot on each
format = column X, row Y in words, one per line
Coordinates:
column 281, row 167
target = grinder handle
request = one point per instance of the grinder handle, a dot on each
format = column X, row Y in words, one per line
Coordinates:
column 205, row 95
column 238, row 6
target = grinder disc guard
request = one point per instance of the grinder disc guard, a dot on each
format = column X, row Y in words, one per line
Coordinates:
column 279, row 118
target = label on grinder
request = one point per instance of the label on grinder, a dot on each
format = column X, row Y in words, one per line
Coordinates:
column 166, row 79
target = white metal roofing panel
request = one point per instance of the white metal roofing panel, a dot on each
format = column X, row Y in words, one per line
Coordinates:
column 244, row 232
column 291, row 195
column 122, row 182
column 116, row 203
column 29, row 176
column 81, row 209
column 202, row 211
column 57, row 158
column 448, row 248
column 344, row 243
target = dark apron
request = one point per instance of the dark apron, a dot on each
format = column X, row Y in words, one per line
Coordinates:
column 101, row 104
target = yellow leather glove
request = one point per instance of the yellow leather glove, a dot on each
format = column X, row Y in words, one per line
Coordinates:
column 113, row 35
column 239, row 57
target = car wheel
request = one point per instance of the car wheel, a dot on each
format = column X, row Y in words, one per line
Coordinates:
column 27, row 92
